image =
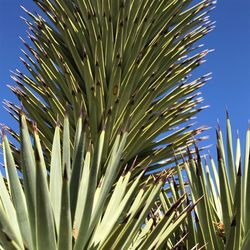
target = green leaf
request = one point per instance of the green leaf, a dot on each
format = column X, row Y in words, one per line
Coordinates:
column 65, row 231
column 231, row 164
column 55, row 184
column 29, row 174
column 66, row 144
column 17, row 195
column 45, row 229
column 77, row 168
column 8, row 234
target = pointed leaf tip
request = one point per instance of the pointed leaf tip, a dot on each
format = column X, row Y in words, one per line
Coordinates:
column 218, row 125
column 217, row 134
column 218, row 153
column 239, row 173
column 227, row 113
column 65, row 174
column 190, row 157
column 34, row 126
column 3, row 133
column 58, row 123
column 238, row 134
column 133, row 163
column 81, row 110
column 103, row 124
column 37, row 156
column 66, row 113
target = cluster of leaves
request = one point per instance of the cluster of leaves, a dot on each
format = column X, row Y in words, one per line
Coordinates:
column 79, row 205
column 221, row 218
column 82, row 181
column 124, row 64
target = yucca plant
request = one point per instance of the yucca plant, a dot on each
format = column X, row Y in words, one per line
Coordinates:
column 221, row 219
column 101, row 182
column 67, row 209
column 123, row 63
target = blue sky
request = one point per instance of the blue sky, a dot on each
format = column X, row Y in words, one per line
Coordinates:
column 229, row 63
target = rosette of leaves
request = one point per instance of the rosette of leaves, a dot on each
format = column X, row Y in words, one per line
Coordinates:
column 78, row 205
column 221, row 218
column 123, row 63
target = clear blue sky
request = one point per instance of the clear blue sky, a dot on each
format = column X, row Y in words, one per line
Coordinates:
column 229, row 63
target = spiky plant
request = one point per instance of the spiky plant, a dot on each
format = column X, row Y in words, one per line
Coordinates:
column 221, row 219
column 124, row 63
column 125, row 66
column 68, row 209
